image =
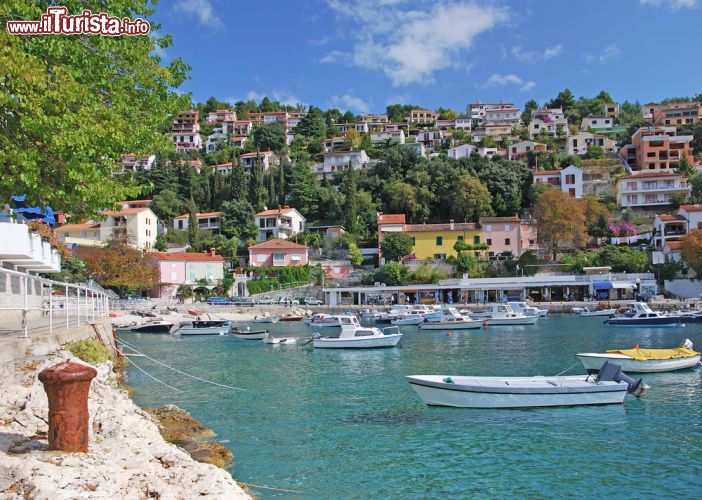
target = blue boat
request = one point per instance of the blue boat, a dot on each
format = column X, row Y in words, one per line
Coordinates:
column 641, row 315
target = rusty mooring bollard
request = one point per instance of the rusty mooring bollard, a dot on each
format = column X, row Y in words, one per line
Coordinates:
column 67, row 386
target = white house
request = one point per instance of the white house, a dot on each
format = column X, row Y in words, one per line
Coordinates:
column 650, row 189
column 237, row 127
column 577, row 144
column 418, row 147
column 596, row 122
column 223, row 168
column 220, row 116
column 282, row 222
column 131, row 162
column 205, row 220
column 267, row 158
column 569, row 180
column 395, row 136
column 523, row 147
column 345, row 127
column 214, row 140
column 551, row 122
column 462, row 151
column 431, row 138
column 334, row 143
column 340, row 160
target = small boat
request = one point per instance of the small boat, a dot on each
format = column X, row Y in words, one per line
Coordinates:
column 460, row 323
column 354, row 336
column 326, row 322
column 248, row 334
column 202, row 327
column 527, row 310
column 148, row 327
column 504, row 315
column 641, row 315
column 290, row 318
column 265, row 319
column 586, row 312
column 370, row 315
column 195, row 312
column 316, row 317
column 609, row 386
column 638, row 360
column 408, row 319
column 280, row 340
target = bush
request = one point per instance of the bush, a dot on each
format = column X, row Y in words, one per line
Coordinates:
column 89, row 350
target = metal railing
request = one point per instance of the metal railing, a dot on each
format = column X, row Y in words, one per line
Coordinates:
column 55, row 304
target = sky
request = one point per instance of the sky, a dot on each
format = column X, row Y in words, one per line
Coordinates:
column 361, row 55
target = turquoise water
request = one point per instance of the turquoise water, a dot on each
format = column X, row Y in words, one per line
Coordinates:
column 345, row 424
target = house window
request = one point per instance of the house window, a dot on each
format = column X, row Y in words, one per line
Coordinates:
column 460, row 238
column 489, row 241
column 476, row 239
column 488, row 228
column 507, row 241
column 439, row 241
column 262, row 223
column 507, row 228
column 261, row 258
column 570, row 179
column 439, row 256
column 174, row 275
column 414, row 241
column 65, row 235
column 296, row 257
column 278, row 257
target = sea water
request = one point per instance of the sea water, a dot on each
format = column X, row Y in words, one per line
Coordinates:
column 346, row 424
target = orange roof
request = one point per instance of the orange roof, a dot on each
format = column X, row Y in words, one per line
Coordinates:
column 673, row 245
column 224, row 164
column 277, row 244
column 669, row 217
column 652, row 174
column 275, row 211
column 199, row 214
column 76, row 227
column 258, row 153
column 187, row 256
column 391, row 218
column 547, row 172
column 691, row 208
column 511, row 218
column 420, row 228
column 124, row 211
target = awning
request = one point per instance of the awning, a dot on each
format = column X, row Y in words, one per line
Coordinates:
column 622, row 284
column 602, row 285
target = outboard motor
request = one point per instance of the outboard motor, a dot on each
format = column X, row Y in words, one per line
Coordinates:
column 613, row 372
column 688, row 344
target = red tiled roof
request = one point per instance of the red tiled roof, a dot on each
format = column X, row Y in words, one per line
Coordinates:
column 275, row 211
column 547, row 172
column 247, row 155
column 673, row 245
column 511, row 218
column 277, row 244
column 652, row 174
column 199, row 214
column 669, row 217
column 187, row 256
column 224, row 164
column 124, row 211
column 391, row 218
column 75, row 227
column 691, row 208
column 420, row 228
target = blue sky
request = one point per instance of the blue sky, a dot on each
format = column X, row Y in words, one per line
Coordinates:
column 361, row 55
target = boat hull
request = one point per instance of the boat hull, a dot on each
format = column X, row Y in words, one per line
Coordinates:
column 250, row 336
column 220, row 330
column 407, row 322
column 604, row 312
column 468, row 325
column 661, row 322
column 527, row 320
column 360, row 343
column 152, row 329
column 280, row 340
column 593, row 361
column 475, row 396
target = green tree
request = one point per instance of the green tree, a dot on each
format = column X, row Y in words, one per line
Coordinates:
column 530, row 106
column 696, row 184
column 685, row 168
column 193, row 227
column 350, row 201
column 691, row 251
column 465, row 262
column 72, row 104
column 392, row 274
column 395, row 246
column 161, row 244
column 312, row 125
column 167, row 205
column 594, row 152
column 471, row 199
column 236, row 214
column 355, row 255
column 302, row 191
column 564, row 100
column 269, row 136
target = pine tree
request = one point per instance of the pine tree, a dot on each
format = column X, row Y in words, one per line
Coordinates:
column 281, row 183
column 351, row 203
column 193, row 229
column 237, row 182
column 257, row 189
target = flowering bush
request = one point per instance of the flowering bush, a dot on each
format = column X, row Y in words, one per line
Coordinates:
column 43, row 230
column 622, row 229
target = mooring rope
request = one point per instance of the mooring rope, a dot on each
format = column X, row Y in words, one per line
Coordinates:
column 151, row 376
column 571, row 366
column 268, row 487
column 180, row 371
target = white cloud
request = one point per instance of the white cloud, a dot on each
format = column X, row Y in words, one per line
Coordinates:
column 534, row 56
column 252, row 95
column 336, row 56
column 202, row 10
column 609, row 53
column 673, row 4
column 411, row 45
column 285, row 97
column 350, row 103
column 397, row 99
column 497, row 80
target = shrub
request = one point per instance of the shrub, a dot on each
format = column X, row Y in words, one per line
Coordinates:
column 89, row 350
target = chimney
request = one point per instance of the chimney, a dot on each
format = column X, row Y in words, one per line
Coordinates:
column 212, row 252
column 451, row 225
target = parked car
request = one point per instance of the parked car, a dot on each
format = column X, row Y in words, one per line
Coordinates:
column 218, row 301
column 242, row 301
column 264, row 300
column 284, row 301
column 313, row 301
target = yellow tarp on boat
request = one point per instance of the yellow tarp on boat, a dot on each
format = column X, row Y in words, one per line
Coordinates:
column 644, row 354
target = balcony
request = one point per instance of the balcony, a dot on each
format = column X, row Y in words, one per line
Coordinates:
column 27, row 250
column 655, row 188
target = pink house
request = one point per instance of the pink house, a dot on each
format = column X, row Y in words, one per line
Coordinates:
column 278, row 253
column 173, row 269
column 508, row 235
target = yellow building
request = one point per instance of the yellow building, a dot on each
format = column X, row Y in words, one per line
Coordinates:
column 436, row 241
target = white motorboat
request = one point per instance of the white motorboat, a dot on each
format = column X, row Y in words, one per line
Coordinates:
column 265, row 319
column 280, row 340
column 639, row 314
column 322, row 320
column 451, row 323
column 638, row 360
column 156, row 326
column 608, row 387
column 408, row 319
column 249, row 334
column 370, row 315
column 504, row 315
column 586, row 312
column 204, row 327
column 353, row 336
column 527, row 310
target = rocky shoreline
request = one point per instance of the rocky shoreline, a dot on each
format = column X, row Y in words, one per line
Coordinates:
column 128, row 457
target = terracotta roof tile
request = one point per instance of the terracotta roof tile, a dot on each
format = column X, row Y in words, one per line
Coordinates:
column 275, row 211
column 76, row 227
column 277, row 244
column 422, row 228
column 391, row 218
column 124, row 211
column 673, row 245
column 200, row 214
column 642, row 175
column 691, row 208
column 187, row 256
